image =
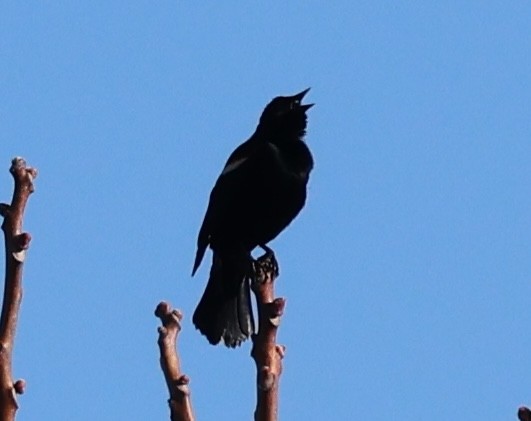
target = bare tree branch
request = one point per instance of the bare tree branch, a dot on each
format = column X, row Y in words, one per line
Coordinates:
column 524, row 414
column 16, row 244
column 266, row 353
column 180, row 402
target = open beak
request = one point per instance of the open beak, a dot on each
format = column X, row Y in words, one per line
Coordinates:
column 300, row 96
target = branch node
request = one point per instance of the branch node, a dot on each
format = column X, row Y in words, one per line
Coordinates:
column 4, row 209
column 281, row 351
column 276, row 310
column 19, row 256
column 278, row 305
column 266, row 379
column 183, row 380
column 21, row 241
column 183, row 388
column 275, row 321
column 20, row 245
column 20, row 386
column 181, row 384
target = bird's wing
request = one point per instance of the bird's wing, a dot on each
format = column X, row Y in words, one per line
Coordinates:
column 203, row 239
column 222, row 193
column 239, row 156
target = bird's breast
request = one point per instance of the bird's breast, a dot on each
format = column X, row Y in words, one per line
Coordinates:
column 292, row 159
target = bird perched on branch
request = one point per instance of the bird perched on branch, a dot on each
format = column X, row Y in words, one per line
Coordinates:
column 260, row 190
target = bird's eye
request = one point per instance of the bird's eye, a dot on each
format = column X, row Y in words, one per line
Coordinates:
column 294, row 104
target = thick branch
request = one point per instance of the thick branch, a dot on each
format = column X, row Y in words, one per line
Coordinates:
column 16, row 244
column 266, row 353
column 524, row 414
column 180, row 403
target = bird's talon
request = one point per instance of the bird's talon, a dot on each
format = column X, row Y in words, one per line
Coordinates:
column 258, row 275
column 265, row 267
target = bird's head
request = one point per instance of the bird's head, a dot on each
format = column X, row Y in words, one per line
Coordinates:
column 285, row 115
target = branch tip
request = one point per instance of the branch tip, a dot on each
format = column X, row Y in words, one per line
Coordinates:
column 16, row 242
column 524, row 413
column 265, row 351
column 17, row 163
column 162, row 309
column 178, row 383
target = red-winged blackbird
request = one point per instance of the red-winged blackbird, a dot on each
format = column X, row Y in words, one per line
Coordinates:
column 260, row 190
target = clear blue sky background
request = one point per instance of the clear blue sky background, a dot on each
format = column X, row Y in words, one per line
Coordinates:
column 408, row 274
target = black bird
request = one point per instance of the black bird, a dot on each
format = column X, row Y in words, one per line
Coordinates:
column 260, row 190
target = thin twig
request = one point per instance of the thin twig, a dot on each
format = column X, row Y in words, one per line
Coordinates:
column 179, row 402
column 16, row 244
column 266, row 353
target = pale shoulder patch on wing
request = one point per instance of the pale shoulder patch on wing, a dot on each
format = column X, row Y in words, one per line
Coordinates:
column 231, row 166
column 274, row 148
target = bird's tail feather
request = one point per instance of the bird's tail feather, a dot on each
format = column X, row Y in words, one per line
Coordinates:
column 225, row 309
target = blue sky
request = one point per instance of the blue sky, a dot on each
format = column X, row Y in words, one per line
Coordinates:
column 407, row 275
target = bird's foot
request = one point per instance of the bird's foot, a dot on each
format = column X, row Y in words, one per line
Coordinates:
column 265, row 268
